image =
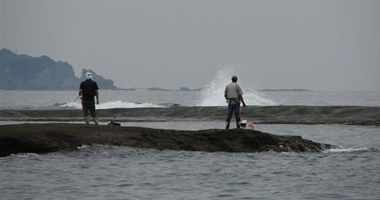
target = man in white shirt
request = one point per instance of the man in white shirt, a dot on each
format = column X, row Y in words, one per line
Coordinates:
column 234, row 96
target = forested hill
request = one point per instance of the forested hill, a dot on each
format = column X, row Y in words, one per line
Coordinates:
column 23, row 72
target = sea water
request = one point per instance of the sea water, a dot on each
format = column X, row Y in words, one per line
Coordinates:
column 211, row 94
column 44, row 100
column 114, row 172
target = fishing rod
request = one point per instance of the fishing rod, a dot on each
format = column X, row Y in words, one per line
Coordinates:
column 75, row 99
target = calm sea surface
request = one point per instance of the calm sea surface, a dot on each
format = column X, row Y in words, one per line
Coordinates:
column 112, row 172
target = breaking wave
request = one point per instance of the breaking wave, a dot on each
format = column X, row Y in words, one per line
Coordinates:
column 212, row 94
column 112, row 104
column 351, row 150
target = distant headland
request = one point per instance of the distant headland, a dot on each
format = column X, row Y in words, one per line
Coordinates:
column 23, row 72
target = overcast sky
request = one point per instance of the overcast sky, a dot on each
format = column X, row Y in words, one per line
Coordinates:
column 318, row 45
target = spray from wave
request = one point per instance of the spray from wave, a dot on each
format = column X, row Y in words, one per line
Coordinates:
column 111, row 104
column 213, row 93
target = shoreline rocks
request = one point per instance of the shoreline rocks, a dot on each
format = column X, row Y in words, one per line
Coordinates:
column 52, row 137
column 350, row 115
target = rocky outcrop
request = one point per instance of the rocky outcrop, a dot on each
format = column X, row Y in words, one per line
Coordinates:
column 44, row 138
column 349, row 115
column 23, row 72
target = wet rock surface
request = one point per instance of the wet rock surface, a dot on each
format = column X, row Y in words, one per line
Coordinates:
column 351, row 115
column 52, row 137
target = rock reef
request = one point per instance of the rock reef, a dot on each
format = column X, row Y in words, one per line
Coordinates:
column 350, row 115
column 52, row 137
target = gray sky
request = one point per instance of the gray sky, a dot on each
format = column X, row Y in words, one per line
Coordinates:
column 318, row 45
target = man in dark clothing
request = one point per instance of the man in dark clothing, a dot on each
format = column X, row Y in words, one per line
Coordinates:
column 88, row 89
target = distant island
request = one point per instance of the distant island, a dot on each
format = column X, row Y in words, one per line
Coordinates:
column 23, row 72
column 184, row 89
column 285, row 90
column 181, row 89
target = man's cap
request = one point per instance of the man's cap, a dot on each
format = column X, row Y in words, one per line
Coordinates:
column 88, row 75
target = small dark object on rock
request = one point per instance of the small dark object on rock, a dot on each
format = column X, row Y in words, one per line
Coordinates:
column 111, row 123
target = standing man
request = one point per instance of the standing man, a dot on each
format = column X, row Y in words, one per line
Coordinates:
column 234, row 96
column 88, row 89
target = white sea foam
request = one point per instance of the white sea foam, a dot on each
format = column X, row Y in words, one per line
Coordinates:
column 84, row 147
column 27, row 155
column 347, row 150
column 213, row 93
column 113, row 104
